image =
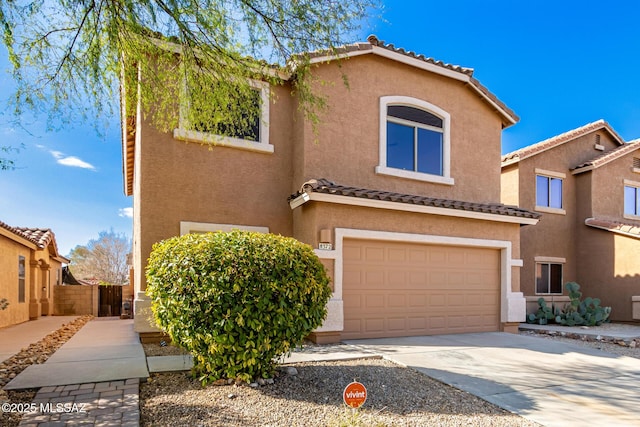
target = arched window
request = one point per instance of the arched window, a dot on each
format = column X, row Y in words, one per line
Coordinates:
column 414, row 140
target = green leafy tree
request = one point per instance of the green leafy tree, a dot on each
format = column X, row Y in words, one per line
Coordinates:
column 67, row 55
column 104, row 258
column 236, row 301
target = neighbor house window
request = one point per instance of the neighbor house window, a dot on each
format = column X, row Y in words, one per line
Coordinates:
column 631, row 200
column 21, row 279
column 414, row 140
column 548, row 278
column 253, row 134
column 549, row 191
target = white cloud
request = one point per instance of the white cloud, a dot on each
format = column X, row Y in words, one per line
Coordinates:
column 71, row 161
column 76, row 163
column 125, row 212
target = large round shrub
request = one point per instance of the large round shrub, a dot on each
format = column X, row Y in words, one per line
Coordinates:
column 237, row 300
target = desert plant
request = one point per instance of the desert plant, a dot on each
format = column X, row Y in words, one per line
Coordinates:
column 236, row 301
column 588, row 312
column 544, row 315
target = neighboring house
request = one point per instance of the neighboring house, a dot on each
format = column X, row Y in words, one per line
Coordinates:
column 586, row 185
column 30, row 266
column 399, row 190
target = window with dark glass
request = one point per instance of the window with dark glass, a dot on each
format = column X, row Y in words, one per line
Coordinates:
column 631, row 200
column 414, row 140
column 548, row 192
column 246, row 123
column 548, row 278
column 21, row 279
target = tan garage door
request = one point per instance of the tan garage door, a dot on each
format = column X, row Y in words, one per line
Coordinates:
column 401, row 289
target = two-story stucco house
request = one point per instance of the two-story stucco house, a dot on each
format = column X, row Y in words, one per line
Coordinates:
column 586, row 185
column 399, row 191
column 30, row 267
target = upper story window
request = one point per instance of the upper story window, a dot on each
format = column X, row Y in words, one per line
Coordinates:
column 414, row 140
column 549, row 191
column 251, row 134
column 632, row 199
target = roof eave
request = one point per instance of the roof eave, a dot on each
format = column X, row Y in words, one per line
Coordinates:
column 384, row 204
column 18, row 239
column 509, row 117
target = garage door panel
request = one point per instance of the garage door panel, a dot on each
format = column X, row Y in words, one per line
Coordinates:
column 397, row 301
column 417, row 323
column 399, row 289
column 417, row 301
column 374, row 302
column 396, row 323
column 374, row 254
column 375, row 326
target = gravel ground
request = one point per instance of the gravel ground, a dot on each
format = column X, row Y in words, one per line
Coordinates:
column 36, row 353
column 609, row 347
column 397, row 396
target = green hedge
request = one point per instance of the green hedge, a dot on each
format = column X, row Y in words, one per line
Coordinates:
column 237, row 300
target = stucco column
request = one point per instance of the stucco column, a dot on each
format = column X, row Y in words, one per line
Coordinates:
column 143, row 322
column 45, row 304
column 34, row 305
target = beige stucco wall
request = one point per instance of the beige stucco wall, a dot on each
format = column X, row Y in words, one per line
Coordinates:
column 41, row 275
column 609, row 269
column 509, row 188
column 76, row 300
column 346, row 149
column 16, row 312
column 608, row 188
column 177, row 181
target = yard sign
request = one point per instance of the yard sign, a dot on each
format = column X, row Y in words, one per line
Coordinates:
column 354, row 395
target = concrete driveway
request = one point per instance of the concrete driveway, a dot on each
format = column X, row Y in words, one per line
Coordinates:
column 549, row 382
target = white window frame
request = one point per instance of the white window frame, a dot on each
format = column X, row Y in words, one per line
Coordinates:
column 183, row 133
column 549, row 260
column 383, row 169
column 632, row 184
column 187, row 227
column 549, row 174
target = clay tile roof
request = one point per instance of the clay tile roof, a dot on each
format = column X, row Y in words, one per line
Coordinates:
column 631, row 230
column 15, row 231
column 605, row 158
column 547, row 144
column 41, row 237
column 328, row 187
column 374, row 41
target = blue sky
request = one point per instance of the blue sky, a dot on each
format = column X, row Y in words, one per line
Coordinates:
column 558, row 65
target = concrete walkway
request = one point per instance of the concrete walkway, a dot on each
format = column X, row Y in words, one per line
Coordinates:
column 14, row 338
column 549, row 382
column 105, row 349
column 92, row 380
